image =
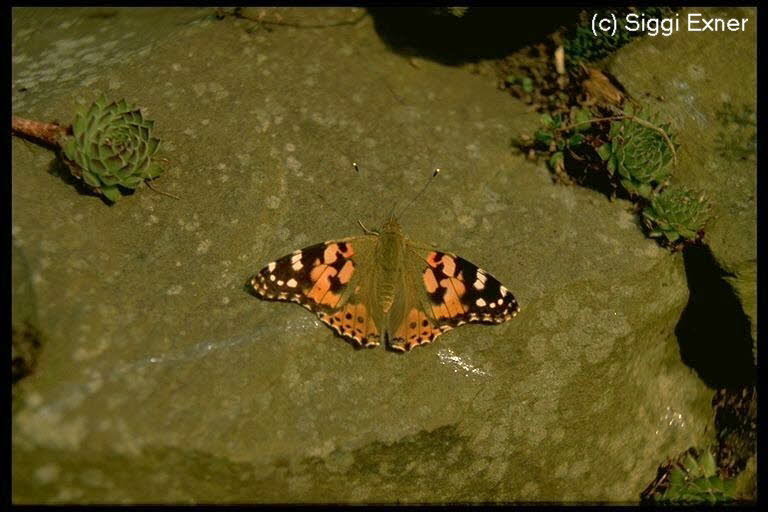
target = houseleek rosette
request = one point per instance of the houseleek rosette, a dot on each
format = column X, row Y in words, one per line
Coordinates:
column 676, row 213
column 111, row 147
column 639, row 154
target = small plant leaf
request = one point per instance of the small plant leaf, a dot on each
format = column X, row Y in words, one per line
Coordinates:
column 706, row 461
column 556, row 161
column 542, row 137
column 111, row 193
column 527, row 84
column 580, row 120
column 604, row 151
column 575, row 141
column 676, row 478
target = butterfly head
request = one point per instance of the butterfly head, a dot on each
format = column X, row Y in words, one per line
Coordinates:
column 391, row 226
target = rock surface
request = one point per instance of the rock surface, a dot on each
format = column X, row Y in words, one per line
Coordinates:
column 698, row 79
column 163, row 380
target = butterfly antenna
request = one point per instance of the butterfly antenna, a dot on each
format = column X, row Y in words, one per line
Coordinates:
column 357, row 169
column 419, row 193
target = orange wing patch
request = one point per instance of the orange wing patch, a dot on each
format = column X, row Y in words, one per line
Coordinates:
column 321, row 292
column 354, row 323
column 455, row 289
column 451, row 290
column 459, row 292
column 416, row 329
column 314, row 276
column 331, row 274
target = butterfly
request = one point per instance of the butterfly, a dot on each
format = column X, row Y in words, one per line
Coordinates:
column 384, row 286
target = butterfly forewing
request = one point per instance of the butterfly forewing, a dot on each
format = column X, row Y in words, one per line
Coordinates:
column 325, row 278
column 315, row 276
column 465, row 293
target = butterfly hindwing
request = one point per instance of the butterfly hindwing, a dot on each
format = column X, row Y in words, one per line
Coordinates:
column 353, row 321
column 324, row 279
column 416, row 327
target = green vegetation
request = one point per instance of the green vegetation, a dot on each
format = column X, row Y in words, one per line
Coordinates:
column 676, row 213
column 640, row 153
column 737, row 139
column 593, row 134
column 525, row 83
column 455, row 11
column 559, row 133
column 111, row 148
column 634, row 153
column 694, row 479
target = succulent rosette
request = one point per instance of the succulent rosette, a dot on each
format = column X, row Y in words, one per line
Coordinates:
column 111, row 147
column 695, row 479
column 676, row 213
column 639, row 154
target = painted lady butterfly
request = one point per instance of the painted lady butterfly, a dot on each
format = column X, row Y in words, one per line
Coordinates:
column 382, row 285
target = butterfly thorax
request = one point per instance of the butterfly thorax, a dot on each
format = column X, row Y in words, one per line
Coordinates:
column 390, row 257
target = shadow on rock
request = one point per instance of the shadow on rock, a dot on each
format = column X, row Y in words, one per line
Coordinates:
column 713, row 331
column 480, row 33
column 59, row 169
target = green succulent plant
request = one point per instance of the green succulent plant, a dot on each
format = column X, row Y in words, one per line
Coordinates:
column 676, row 213
column 111, row 147
column 639, row 154
column 695, row 480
